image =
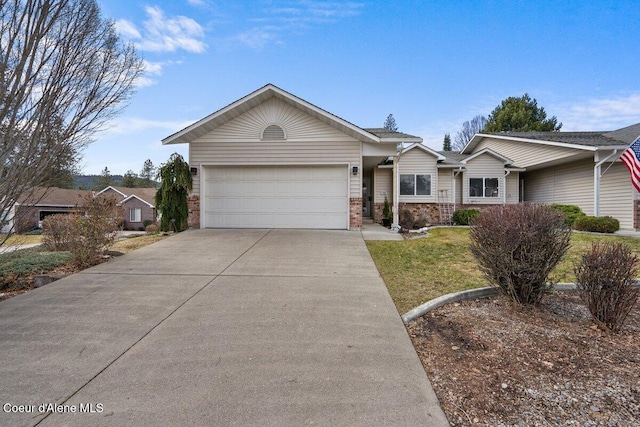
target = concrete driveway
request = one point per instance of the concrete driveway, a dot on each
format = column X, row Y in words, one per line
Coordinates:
column 216, row 327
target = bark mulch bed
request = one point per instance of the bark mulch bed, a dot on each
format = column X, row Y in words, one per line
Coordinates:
column 493, row 363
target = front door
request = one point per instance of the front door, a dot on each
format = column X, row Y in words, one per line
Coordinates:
column 366, row 198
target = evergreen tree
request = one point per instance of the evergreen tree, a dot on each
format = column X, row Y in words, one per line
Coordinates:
column 446, row 144
column 147, row 174
column 520, row 115
column 171, row 198
column 130, row 179
column 390, row 123
column 104, row 180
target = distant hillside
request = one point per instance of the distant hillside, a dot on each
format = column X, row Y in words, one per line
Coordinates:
column 86, row 182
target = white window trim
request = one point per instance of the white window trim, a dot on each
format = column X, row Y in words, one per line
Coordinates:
column 135, row 214
column 415, row 185
column 484, row 187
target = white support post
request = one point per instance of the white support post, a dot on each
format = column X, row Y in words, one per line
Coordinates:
column 396, row 190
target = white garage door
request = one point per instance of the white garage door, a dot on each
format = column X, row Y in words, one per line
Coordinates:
column 276, row 197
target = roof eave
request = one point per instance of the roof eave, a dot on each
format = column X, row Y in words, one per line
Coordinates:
column 205, row 125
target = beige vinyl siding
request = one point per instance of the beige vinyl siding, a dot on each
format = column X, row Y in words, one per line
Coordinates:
column 308, row 141
column 570, row 183
column 382, row 185
column 525, row 154
column 417, row 161
column 616, row 194
column 445, row 184
column 513, row 187
column 458, row 183
column 483, row 166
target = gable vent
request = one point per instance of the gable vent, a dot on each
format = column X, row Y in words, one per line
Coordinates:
column 272, row 132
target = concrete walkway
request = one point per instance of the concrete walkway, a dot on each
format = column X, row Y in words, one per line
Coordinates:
column 216, row 327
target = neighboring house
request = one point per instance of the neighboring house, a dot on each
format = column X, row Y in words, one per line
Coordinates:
column 273, row 160
column 138, row 205
column 32, row 207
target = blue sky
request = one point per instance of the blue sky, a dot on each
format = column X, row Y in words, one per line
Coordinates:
column 432, row 64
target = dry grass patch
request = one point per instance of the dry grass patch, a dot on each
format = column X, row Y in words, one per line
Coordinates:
column 137, row 242
column 20, row 239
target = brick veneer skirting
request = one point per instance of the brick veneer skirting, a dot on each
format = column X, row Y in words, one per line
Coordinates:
column 193, row 203
column 355, row 213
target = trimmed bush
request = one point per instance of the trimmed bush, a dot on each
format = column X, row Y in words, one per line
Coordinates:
column 605, row 279
column 146, row 223
column 465, row 216
column 570, row 212
column 597, row 224
column 151, row 229
column 517, row 247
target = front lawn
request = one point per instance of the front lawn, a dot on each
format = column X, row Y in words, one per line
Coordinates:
column 416, row 271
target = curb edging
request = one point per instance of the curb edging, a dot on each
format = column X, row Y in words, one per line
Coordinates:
column 490, row 291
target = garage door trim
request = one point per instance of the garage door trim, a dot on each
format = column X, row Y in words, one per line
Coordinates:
column 203, row 186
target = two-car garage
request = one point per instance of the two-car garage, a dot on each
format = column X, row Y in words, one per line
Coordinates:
column 285, row 196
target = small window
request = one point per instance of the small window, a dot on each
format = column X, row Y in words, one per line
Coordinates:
column 135, row 215
column 273, row 132
column 415, row 185
column 483, row 187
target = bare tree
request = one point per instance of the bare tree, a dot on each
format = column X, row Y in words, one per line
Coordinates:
column 64, row 73
column 469, row 129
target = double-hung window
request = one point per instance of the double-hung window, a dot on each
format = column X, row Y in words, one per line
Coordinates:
column 415, row 184
column 135, row 215
column 483, row 187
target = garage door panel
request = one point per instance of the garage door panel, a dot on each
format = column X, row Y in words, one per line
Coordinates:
column 277, row 197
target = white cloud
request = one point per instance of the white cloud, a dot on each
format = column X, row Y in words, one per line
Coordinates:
column 257, row 38
column 164, row 34
column 198, row 3
column 294, row 16
column 599, row 113
column 132, row 125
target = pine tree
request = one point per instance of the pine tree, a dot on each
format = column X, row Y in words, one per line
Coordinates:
column 130, row 179
column 104, row 180
column 390, row 123
column 446, row 144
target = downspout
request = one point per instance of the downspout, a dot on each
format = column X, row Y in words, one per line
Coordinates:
column 596, row 183
column 504, row 191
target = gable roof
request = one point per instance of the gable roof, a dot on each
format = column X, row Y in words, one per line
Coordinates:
column 235, row 109
column 386, row 135
column 145, row 194
column 490, row 152
column 589, row 141
column 426, row 149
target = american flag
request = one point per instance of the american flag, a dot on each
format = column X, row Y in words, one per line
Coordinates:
column 631, row 159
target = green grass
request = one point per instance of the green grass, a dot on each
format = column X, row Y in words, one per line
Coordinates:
column 17, row 267
column 416, row 271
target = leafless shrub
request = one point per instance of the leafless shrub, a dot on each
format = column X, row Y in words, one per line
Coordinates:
column 517, row 247
column 86, row 233
column 58, row 231
column 151, row 229
column 605, row 279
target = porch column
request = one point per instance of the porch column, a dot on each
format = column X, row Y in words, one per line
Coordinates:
column 396, row 190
